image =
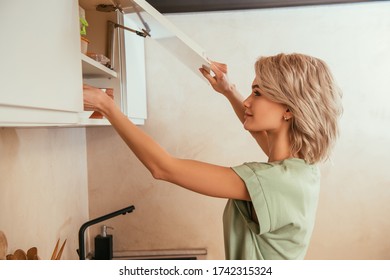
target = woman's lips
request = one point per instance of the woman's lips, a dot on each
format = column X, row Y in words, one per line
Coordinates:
column 247, row 115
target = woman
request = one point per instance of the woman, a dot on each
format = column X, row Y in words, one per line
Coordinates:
column 292, row 112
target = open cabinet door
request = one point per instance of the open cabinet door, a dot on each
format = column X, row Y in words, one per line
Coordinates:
column 134, row 76
column 159, row 28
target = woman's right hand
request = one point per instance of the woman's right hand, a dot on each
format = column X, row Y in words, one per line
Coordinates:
column 95, row 99
column 219, row 81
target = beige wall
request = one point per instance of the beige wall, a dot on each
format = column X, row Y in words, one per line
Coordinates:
column 43, row 188
column 191, row 121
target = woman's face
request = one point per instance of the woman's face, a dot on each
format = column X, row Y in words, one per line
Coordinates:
column 262, row 114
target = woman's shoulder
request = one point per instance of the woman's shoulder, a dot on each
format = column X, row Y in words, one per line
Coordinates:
column 290, row 162
column 288, row 166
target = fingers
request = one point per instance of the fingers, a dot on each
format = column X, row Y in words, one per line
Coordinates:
column 88, row 88
column 89, row 97
column 208, row 76
column 221, row 66
column 219, row 69
column 85, row 86
column 218, row 78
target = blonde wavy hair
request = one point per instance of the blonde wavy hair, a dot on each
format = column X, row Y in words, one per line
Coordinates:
column 306, row 86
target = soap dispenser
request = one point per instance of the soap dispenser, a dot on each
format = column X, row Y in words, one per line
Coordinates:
column 103, row 245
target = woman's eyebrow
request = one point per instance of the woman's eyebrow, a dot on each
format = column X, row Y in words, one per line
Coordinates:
column 255, row 86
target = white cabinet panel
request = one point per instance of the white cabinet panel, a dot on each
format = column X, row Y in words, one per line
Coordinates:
column 40, row 59
column 135, row 80
column 24, row 116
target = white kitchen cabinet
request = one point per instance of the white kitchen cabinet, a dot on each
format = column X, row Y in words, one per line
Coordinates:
column 43, row 69
column 40, row 75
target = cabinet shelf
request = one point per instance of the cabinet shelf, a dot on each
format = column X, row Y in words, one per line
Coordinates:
column 94, row 69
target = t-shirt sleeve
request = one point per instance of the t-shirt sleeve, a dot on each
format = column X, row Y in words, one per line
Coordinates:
column 258, row 198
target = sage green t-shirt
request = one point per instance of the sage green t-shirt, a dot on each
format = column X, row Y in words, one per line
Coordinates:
column 284, row 197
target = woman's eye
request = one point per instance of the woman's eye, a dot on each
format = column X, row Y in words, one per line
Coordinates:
column 256, row 93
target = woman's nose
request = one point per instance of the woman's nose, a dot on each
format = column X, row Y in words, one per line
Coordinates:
column 246, row 102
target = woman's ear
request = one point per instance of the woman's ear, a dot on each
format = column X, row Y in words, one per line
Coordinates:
column 287, row 115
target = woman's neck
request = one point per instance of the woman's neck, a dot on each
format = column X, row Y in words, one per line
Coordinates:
column 279, row 146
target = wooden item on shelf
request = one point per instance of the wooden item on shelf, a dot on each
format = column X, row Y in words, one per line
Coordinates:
column 11, row 257
column 55, row 255
column 3, row 246
column 20, row 255
column 32, row 254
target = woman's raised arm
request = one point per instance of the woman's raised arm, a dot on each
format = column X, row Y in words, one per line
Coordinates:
column 200, row 177
column 221, row 84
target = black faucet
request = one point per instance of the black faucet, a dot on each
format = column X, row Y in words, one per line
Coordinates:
column 81, row 250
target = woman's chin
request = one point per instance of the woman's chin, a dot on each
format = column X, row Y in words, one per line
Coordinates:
column 247, row 127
